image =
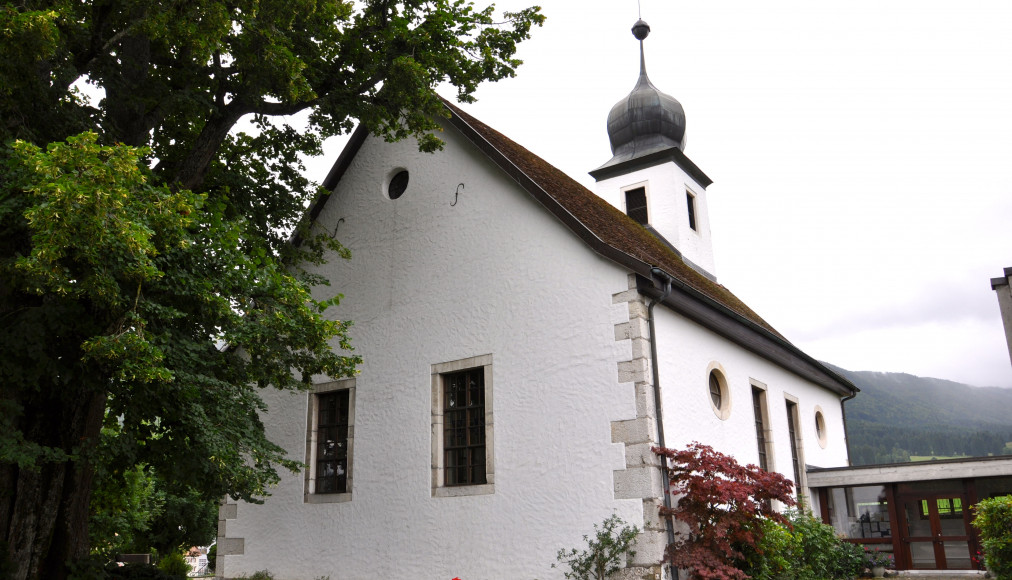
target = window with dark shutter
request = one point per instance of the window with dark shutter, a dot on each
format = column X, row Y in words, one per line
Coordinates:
column 636, row 204
column 690, row 200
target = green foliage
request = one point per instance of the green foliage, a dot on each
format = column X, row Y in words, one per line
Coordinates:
column 123, row 505
column 212, row 558
column 259, row 575
column 174, row 564
column 606, row 552
column 135, row 510
column 993, row 520
column 141, row 233
column 804, row 549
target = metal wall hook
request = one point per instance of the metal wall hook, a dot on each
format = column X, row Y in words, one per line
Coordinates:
column 456, row 194
column 339, row 222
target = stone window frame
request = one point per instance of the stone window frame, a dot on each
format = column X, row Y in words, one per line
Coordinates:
column 723, row 412
column 439, row 488
column 309, row 493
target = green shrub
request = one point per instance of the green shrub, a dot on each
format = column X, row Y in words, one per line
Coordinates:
column 261, row 575
column 774, row 556
column 605, row 553
column 994, row 521
column 807, row 550
column 174, row 565
column 212, row 557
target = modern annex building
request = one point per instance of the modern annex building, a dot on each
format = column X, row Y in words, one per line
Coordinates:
column 525, row 343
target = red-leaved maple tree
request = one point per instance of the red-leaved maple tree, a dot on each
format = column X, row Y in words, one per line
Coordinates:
column 722, row 503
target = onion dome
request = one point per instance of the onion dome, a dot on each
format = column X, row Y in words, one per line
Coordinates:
column 647, row 120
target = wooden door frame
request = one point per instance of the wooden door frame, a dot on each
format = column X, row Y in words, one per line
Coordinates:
column 937, row 540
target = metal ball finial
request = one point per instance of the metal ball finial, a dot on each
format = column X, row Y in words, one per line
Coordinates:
column 641, row 29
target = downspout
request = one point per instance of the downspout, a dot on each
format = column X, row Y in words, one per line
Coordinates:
column 846, row 432
column 658, row 273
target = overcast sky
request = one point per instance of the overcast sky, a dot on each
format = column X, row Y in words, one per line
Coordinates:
column 860, row 152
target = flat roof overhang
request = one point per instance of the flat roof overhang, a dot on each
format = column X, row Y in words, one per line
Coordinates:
column 939, row 469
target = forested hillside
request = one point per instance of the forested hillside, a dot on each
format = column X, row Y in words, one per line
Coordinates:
column 896, row 416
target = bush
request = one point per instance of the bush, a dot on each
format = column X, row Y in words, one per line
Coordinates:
column 804, row 549
column 723, row 505
column 994, row 521
column 174, row 565
column 604, row 554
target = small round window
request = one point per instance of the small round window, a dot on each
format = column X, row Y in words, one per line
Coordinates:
column 820, row 427
column 398, row 184
column 720, row 398
column 715, row 395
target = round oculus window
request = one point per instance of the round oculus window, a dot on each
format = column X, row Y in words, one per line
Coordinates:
column 720, row 397
column 820, row 427
column 398, row 184
column 715, row 394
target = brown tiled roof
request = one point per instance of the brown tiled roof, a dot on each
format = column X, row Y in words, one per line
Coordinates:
column 608, row 224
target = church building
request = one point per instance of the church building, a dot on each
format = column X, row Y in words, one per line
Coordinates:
column 525, row 343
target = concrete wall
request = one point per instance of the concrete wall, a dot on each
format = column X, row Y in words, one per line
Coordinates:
column 429, row 283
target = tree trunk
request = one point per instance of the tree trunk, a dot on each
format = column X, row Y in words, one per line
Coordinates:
column 44, row 511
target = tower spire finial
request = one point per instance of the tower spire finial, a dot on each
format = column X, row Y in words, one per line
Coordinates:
column 641, row 30
column 647, row 120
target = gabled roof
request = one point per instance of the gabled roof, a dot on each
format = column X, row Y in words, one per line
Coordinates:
column 617, row 237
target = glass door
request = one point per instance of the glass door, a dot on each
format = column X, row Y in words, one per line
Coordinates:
column 936, row 531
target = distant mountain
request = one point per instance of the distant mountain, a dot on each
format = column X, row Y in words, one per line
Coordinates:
column 897, row 415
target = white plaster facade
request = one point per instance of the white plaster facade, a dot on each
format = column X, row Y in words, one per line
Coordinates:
column 437, row 278
column 430, row 283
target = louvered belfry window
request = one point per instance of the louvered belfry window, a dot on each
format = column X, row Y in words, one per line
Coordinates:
column 332, row 442
column 636, row 205
column 464, row 427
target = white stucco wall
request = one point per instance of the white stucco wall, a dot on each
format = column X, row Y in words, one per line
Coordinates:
column 667, row 210
column 430, row 283
column 686, row 352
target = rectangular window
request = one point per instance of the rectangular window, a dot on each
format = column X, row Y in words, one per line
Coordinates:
column 792, row 433
column 690, row 200
column 462, row 452
column 758, row 396
column 860, row 512
column 464, row 427
column 329, row 438
column 332, row 442
column 636, row 204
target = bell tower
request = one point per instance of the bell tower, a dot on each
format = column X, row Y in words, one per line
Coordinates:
column 649, row 177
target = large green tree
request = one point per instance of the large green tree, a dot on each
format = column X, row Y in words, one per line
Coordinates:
column 146, row 276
